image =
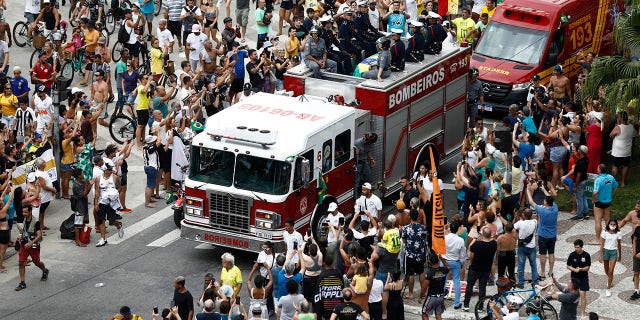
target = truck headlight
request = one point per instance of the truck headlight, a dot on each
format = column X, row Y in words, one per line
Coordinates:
column 267, row 219
column 193, row 207
column 521, row 86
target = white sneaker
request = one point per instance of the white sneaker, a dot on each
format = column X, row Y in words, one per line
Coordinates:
column 121, row 231
column 101, row 243
column 607, row 293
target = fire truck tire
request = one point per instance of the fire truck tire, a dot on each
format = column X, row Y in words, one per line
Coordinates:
column 177, row 217
column 319, row 215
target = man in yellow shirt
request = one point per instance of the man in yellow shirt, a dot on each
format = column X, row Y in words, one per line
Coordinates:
column 489, row 9
column 464, row 26
column 142, row 109
column 231, row 274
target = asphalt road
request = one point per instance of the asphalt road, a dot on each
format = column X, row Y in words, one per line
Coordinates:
column 139, row 269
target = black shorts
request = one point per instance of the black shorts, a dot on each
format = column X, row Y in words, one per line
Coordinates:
column 602, row 205
column 165, row 159
column 175, row 27
column 123, row 179
column 211, row 24
column 546, row 245
column 134, row 49
column 287, row 5
column 185, row 34
column 584, row 284
column 413, row 267
column 5, row 236
column 621, row 161
column 237, row 85
column 143, row 117
column 105, row 212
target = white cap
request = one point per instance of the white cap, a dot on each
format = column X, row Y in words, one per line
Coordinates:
column 433, row 15
column 396, row 30
column 490, row 149
column 195, row 28
column 367, row 185
column 31, row 177
column 46, row 1
column 75, row 90
column 332, row 207
column 325, row 18
column 584, row 149
column 150, row 139
column 415, row 23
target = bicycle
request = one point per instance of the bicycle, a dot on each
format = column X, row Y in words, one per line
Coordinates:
column 73, row 64
column 168, row 78
column 123, row 126
column 547, row 311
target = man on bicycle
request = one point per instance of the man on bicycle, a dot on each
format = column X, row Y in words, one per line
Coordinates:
column 96, row 9
column 51, row 17
column 31, row 10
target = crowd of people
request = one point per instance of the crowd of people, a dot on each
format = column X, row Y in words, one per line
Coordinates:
column 506, row 190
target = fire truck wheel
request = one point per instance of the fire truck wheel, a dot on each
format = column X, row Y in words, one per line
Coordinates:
column 177, row 217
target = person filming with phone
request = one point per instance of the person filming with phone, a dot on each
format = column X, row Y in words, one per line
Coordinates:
column 335, row 219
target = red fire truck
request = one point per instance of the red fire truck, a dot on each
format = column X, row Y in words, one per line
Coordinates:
column 259, row 161
column 529, row 37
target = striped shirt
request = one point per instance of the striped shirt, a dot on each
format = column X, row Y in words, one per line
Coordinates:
column 23, row 118
column 174, row 7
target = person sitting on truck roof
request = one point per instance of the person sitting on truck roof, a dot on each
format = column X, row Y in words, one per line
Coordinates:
column 435, row 34
column 383, row 61
column 315, row 54
column 397, row 51
column 415, row 45
column 341, row 57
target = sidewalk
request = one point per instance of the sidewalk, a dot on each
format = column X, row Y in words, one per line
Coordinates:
column 568, row 231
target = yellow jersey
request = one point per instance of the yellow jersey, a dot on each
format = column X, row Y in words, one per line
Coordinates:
column 157, row 61
column 489, row 13
column 8, row 104
column 143, row 99
column 231, row 277
column 463, row 28
column 391, row 239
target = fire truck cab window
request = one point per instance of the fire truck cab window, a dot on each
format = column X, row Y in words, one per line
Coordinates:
column 211, row 166
column 342, row 152
column 262, row 175
column 497, row 42
column 326, row 156
column 297, row 175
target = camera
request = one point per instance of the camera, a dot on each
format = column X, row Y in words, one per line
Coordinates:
column 396, row 11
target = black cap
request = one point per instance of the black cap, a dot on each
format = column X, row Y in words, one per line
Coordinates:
column 227, row 19
column 247, row 86
column 536, row 77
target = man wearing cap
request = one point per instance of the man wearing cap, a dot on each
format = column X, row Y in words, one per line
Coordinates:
column 228, row 34
column 246, row 92
column 43, row 107
column 256, row 311
column 347, row 34
column 333, row 218
column 559, row 84
column 195, row 44
column 535, row 86
column 315, row 54
column 365, row 32
column 397, row 50
column 435, row 34
column 49, row 14
column 342, row 59
column 368, row 203
column 190, row 16
column 395, row 18
column 415, row 45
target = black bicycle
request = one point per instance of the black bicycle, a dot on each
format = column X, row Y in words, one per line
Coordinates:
column 122, row 127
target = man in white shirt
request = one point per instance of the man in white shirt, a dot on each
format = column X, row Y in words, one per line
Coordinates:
column 43, row 107
column 368, row 202
column 293, row 239
column 455, row 255
column 163, row 34
column 333, row 218
column 195, row 45
column 374, row 15
column 526, row 228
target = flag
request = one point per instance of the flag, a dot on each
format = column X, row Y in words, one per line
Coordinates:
column 437, row 223
column 19, row 176
column 322, row 188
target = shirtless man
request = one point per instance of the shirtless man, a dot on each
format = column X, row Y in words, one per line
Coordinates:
column 559, row 84
column 100, row 92
column 209, row 57
column 5, row 30
column 633, row 216
column 507, row 252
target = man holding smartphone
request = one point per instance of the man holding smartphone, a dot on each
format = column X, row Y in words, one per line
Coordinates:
column 334, row 218
column 292, row 239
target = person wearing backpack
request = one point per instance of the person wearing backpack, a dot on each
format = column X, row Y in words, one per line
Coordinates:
column 189, row 16
column 128, row 36
column 526, row 229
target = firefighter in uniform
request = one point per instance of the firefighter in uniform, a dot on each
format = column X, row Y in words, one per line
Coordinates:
column 315, row 54
column 343, row 59
column 435, row 34
column 397, row 50
column 366, row 34
column 415, row 45
column 347, row 34
column 383, row 69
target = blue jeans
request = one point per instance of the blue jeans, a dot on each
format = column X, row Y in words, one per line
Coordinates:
column 120, row 101
column 525, row 253
column 455, row 267
column 581, row 200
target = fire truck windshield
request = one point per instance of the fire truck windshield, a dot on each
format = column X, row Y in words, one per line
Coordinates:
column 244, row 171
column 512, row 43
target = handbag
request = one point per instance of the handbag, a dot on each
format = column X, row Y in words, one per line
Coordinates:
column 524, row 242
column 85, row 234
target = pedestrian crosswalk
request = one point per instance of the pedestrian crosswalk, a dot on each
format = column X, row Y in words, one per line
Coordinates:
column 141, row 225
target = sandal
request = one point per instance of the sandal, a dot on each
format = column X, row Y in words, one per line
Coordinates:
column 149, row 205
column 45, row 228
column 4, row 270
column 155, row 196
column 80, row 244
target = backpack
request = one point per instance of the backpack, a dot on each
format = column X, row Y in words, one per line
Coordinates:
column 67, row 228
column 123, row 35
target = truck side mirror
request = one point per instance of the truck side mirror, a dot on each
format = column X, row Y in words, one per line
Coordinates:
column 306, row 172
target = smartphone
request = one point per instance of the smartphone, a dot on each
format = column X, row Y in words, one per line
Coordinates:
column 446, row 220
column 295, row 245
column 238, row 298
column 309, row 232
column 155, row 310
column 341, row 221
column 172, row 304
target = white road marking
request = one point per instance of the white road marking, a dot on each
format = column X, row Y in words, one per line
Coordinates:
column 205, row 246
column 166, row 240
column 132, row 230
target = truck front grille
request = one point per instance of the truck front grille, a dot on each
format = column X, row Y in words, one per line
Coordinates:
column 229, row 212
column 495, row 92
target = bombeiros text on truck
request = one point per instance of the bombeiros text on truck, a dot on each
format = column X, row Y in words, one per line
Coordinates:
column 259, row 162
